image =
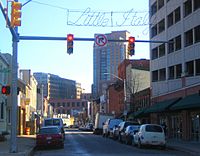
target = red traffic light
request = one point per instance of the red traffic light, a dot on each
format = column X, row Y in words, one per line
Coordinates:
column 5, row 90
column 70, row 37
column 131, row 40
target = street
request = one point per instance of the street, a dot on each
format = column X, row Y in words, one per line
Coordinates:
column 88, row 144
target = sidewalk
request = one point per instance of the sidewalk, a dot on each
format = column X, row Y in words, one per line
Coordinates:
column 190, row 147
column 25, row 146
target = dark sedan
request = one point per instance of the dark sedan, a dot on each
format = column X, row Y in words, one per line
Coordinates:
column 50, row 136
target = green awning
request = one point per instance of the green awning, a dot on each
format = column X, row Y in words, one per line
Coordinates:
column 161, row 106
column 139, row 113
column 191, row 101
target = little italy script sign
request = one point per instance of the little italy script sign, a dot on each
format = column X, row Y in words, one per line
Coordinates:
column 107, row 19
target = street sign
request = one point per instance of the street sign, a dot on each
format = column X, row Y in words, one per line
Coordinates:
column 101, row 40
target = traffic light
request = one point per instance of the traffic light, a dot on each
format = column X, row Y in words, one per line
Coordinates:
column 16, row 14
column 5, row 90
column 70, row 39
column 131, row 46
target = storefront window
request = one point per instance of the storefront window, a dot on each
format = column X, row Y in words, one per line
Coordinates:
column 176, row 127
column 196, row 127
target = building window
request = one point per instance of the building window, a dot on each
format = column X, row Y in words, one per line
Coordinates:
column 2, row 111
column 153, row 8
column 160, row 4
column 187, row 8
column 196, row 4
column 178, row 71
column 190, row 68
column 177, row 14
column 73, row 104
column 9, row 116
column 154, row 53
column 178, row 42
column 171, row 72
column 161, row 50
column 63, row 104
column 171, row 46
column 170, row 20
column 155, row 76
column 83, row 104
column 197, row 65
column 197, row 34
column 154, row 31
column 188, row 38
column 161, row 26
column 53, row 104
column 162, row 73
column 68, row 104
column 78, row 104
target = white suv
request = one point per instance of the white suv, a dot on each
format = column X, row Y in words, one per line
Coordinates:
column 150, row 134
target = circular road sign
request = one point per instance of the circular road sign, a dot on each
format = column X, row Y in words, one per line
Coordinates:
column 101, row 40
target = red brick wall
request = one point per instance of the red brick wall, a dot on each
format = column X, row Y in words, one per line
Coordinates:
column 115, row 102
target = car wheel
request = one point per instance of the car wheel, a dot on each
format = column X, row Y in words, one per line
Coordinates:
column 133, row 142
column 119, row 138
column 139, row 144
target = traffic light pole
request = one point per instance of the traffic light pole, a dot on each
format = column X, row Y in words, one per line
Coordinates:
column 15, row 38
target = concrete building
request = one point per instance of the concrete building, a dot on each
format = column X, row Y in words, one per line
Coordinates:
column 106, row 60
column 175, row 67
column 56, row 87
column 5, row 107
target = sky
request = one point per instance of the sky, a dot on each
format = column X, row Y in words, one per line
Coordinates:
column 83, row 18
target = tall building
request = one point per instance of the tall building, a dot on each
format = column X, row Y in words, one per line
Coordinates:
column 106, row 60
column 55, row 86
column 175, row 67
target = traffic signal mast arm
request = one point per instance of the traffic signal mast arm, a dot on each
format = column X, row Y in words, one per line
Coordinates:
column 82, row 39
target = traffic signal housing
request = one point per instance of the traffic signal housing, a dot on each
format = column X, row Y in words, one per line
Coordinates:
column 16, row 14
column 5, row 90
column 131, row 46
column 70, row 40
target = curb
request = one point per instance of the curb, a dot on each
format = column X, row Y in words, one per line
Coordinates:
column 186, row 150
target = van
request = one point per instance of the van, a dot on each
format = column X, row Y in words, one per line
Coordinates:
column 108, row 126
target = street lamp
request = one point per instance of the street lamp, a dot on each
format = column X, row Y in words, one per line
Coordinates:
column 124, row 81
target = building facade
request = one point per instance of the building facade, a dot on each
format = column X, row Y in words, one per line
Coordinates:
column 175, row 67
column 106, row 60
column 55, row 86
column 5, row 107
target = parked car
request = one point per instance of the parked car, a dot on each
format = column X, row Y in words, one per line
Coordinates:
column 122, row 128
column 115, row 132
column 150, row 134
column 129, row 132
column 108, row 126
column 54, row 122
column 50, row 136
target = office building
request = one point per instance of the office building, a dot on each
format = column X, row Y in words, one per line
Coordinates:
column 106, row 60
column 175, row 67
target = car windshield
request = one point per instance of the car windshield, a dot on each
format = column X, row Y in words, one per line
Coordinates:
column 48, row 122
column 56, row 122
column 52, row 130
column 153, row 128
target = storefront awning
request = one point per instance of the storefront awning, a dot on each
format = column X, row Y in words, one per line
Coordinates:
column 189, row 102
column 161, row 106
column 139, row 113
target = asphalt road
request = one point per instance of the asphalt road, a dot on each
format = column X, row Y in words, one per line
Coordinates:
column 79, row 143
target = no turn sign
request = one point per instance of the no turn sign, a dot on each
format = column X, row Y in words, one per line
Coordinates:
column 101, row 40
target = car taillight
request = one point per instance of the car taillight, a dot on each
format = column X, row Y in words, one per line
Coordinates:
column 57, row 135
column 39, row 136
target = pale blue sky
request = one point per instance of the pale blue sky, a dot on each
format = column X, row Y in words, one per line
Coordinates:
column 49, row 18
